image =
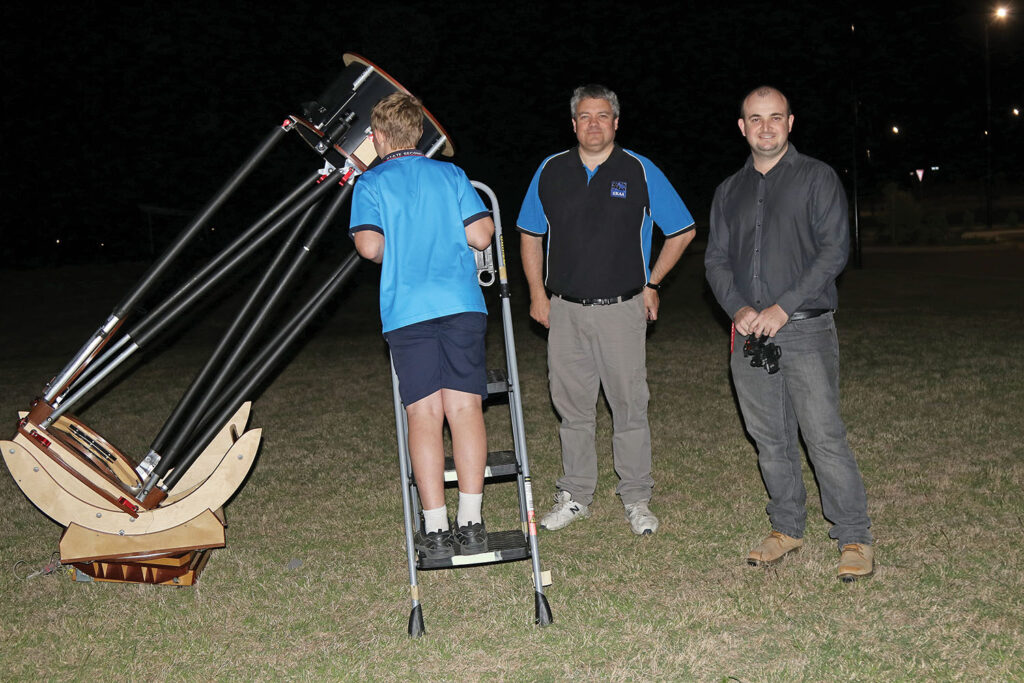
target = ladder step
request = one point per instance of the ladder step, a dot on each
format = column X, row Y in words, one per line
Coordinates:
column 502, row 546
column 499, row 464
column 497, row 381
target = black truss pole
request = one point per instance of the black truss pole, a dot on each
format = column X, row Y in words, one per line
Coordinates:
column 246, row 244
column 157, row 269
column 208, row 268
column 257, row 370
column 192, row 394
column 60, row 383
column 150, row 326
column 245, row 342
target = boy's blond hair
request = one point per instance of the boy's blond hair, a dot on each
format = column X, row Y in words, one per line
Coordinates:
column 400, row 117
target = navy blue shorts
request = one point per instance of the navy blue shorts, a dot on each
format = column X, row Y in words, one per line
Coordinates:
column 441, row 353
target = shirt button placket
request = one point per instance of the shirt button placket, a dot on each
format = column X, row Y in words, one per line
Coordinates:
column 758, row 221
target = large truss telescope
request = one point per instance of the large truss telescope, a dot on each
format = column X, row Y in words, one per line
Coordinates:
column 152, row 518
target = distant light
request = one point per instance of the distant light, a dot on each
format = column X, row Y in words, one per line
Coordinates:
column 1016, row 112
column 896, row 130
column 1001, row 12
column 58, row 240
column 868, row 151
column 935, row 168
column 986, row 132
column 920, row 174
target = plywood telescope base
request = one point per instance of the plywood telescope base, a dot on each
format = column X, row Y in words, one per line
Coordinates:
column 175, row 570
column 109, row 541
column 174, row 557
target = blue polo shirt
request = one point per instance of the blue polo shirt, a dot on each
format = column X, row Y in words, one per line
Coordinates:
column 422, row 208
column 600, row 223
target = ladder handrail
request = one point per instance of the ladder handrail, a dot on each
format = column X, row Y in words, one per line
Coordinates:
column 516, row 406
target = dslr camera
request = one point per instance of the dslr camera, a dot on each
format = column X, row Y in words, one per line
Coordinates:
column 762, row 353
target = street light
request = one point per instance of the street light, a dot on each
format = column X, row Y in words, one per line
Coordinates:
column 999, row 14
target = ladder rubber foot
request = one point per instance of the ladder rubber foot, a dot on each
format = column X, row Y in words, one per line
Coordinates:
column 542, row 609
column 416, row 622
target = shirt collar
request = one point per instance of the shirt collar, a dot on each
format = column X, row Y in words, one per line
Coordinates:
column 402, row 153
column 614, row 152
column 789, row 158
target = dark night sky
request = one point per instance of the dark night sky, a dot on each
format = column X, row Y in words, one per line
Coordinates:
column 156, row 103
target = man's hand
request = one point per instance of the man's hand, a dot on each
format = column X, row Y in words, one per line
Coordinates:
column 540, row 309
column 769, row 321
column 743, row 318
column 651, row 303
column 669, row 255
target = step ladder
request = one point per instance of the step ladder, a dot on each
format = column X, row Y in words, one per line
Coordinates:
column 502, row 466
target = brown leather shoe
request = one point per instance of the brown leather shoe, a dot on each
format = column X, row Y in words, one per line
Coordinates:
column 857, row 561
column 773, row 548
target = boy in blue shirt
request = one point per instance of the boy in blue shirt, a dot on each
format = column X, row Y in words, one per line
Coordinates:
column 418, row 218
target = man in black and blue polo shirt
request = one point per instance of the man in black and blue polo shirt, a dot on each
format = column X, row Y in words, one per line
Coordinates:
column 597, row 203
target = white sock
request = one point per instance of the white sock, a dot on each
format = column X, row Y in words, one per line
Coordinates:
column 469, row 508
column 436, row 519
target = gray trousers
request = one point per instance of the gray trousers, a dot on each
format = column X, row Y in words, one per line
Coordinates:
column 803, row 395
column 590, row 347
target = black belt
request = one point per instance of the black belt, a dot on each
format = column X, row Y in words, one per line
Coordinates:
column 809, row 313
column 600, row 302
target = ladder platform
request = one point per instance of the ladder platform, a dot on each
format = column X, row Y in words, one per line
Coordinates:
column 502, row 546
column 499, row 464
column 497, row 381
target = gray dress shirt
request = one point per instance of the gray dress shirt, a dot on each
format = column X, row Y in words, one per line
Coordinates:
column 778, row 238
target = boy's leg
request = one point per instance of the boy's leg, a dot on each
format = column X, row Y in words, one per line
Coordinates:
column 469, row 438
column 469, row 446
column 426, row 448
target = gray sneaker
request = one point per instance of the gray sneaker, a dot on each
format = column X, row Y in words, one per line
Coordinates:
column 565, row 512
column 641, row 519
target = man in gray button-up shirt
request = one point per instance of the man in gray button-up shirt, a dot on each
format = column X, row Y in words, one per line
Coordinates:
column 779, row 238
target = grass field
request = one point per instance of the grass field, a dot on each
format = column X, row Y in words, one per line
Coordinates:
column 313, row 586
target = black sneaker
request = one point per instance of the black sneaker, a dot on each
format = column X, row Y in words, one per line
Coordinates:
column 437, row 545
column 471, row 538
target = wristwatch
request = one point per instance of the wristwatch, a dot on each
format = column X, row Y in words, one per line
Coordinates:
column 656, row 286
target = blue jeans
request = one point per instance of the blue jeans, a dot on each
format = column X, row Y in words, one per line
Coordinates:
column 803, row 395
